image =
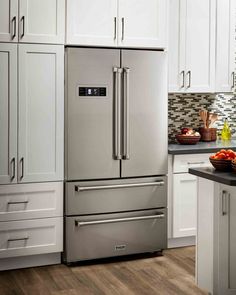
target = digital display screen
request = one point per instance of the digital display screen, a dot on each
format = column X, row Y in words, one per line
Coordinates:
column 92, row 91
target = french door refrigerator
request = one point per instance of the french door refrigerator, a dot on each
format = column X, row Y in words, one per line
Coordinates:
column 115, row 152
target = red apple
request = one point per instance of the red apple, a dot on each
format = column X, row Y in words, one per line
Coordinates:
column 185, row 130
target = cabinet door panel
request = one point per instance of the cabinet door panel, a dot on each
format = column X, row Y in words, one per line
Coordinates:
column 225, row 45
column 41, row 112
column 42, row 21
column 92, row 22
column 8, row 20
column 142, row 23
column 200, row 45
column 176, row 46
column 8, row 112
column 185, row 205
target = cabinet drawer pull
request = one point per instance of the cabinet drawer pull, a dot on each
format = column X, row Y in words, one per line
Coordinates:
column 115, row 27
column 123, row 28
column 13, row 169
column 17, row 202
column 225, row 202
column 22, row 168
column 189, row 74
column 23, row 26
column 94, row 222
column 18, row 239
column 195, row 163
column 233, row 80
column 183, row 79
column 13, row 27
column 117, row 186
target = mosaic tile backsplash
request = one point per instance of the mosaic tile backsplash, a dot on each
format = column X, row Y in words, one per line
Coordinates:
column 184, row 111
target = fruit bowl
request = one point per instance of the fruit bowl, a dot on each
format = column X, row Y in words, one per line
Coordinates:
column 187, row 139
column 221, row 164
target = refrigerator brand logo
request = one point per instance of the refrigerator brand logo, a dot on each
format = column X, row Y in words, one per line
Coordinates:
column 120, row 247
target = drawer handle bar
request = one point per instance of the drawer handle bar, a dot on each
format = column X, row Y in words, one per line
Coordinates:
column 18, row 239
column 83, row 223
column 117, row 186
column 17, row 202
column 194, row 163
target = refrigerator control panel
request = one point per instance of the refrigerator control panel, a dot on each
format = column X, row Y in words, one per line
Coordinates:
column 92, row 91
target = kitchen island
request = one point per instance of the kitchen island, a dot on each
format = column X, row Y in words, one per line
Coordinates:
column 216, row 231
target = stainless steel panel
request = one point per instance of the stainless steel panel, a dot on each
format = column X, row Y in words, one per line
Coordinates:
column 89, row 125
column 115, row 196
column 110, row 235
column 148, row 106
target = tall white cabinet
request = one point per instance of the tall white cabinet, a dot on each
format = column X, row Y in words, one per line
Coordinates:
column 31, row 132
column 37, row 21
column 123, row 23
column 192, row 46
column 35, row 152
column 8, row 113
column 41, row 112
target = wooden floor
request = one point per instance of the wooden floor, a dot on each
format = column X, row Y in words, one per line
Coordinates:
column 170, row 274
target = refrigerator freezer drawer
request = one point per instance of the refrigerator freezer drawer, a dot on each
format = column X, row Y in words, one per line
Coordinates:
column 107, row 235
column 115, row 196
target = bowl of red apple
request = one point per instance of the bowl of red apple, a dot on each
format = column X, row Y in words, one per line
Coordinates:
column 188, row 136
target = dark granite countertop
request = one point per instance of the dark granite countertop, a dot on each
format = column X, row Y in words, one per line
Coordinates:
column 201, row 147
column 210, row 173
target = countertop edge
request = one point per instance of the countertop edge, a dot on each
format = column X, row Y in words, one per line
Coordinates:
column 215, row 177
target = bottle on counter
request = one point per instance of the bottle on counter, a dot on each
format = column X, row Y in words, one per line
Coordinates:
column 226, row 131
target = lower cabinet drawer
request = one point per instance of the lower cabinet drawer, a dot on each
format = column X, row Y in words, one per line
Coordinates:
column 31, row 237
column 107, row 235
column 31, row 201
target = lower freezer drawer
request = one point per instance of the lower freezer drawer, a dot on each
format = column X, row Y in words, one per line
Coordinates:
column 107, row 235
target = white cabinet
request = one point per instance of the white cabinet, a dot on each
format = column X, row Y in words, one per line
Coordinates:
column 41, row 100
column 31, row 201
column 142, row 23
column 184, row 205
column 92, row 22
column 225, row 45
column 123, row 23
column 8, row 20
column 192, row 46
column 32, row 21
column 31, row 237
column 182, row 198
column 40, row 115
column 8, row 112
column 42, row 21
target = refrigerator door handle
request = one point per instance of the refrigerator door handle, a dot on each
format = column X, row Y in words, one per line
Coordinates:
column 117, row 113
column 160, row 215
column 117, row 186
column 126, row 155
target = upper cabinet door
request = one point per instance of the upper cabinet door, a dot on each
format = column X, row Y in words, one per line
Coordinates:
column 8, row 21
column 143, row 23
column 41, row 113
column 42, row 21
column 92, row 22
column 176, row 46
column 225, row 45
column 200, row 45
column 8, row 113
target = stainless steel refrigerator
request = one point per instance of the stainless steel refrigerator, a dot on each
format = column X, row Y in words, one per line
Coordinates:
column 115, row 152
